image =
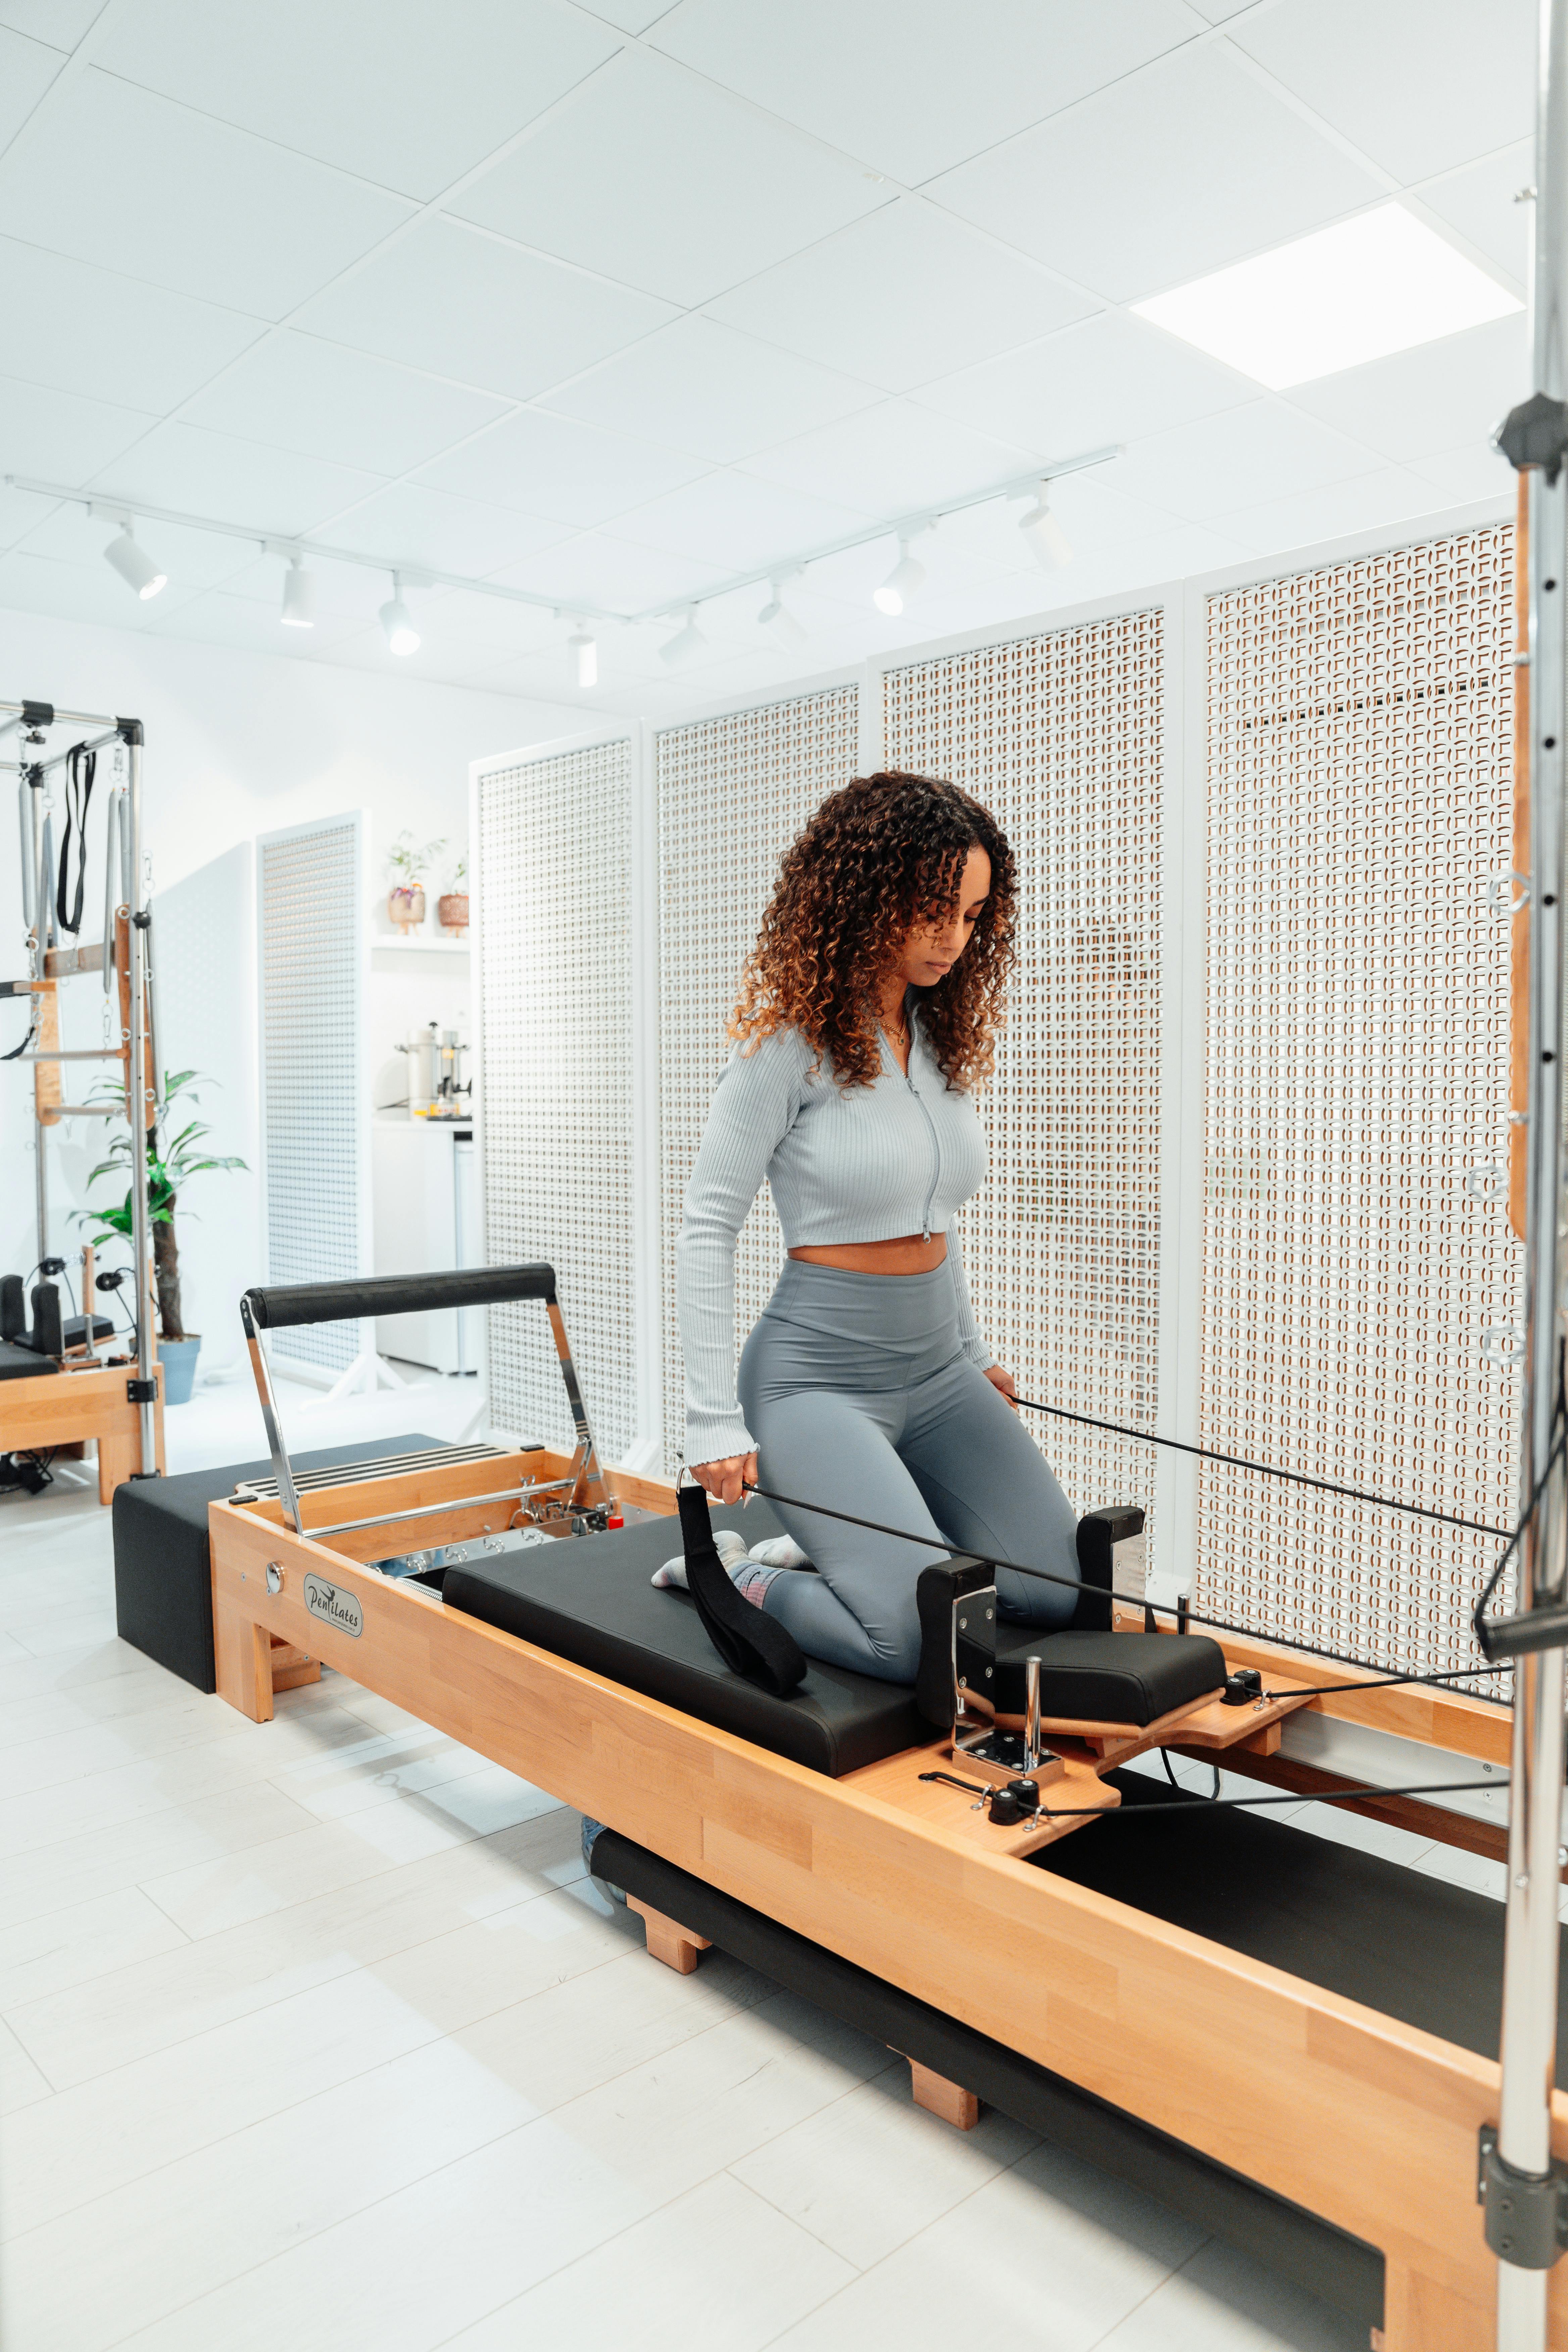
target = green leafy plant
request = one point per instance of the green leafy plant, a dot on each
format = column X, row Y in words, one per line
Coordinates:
column 409, row 863
column 459, row 875
column 171, row 1162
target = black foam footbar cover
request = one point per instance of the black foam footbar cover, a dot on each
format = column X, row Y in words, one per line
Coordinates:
column 49, row 1332
column 274, row 1309
column 749, row 1640
column 13, row 1307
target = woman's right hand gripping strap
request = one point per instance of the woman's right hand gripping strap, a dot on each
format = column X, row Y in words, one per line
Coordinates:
column 749, row 1640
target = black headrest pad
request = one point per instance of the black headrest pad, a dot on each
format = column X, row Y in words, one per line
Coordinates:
column 748, row 1640
column 49, row 1332
column 1108, row 1678
column 13, row 1307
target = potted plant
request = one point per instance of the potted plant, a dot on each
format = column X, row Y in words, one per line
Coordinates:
column 452, row 907
column 409, row 865
column 170, row 1164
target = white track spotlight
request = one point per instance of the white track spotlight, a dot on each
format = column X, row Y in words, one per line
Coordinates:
column 298, row 596
column 905, row 580
column 583, row 648
column 1049, row 543
column 687, row 643
column 397, row 625
column 133, row 564
column 777, row 616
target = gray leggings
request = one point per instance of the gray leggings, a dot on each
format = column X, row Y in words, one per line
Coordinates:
column 858, row 1397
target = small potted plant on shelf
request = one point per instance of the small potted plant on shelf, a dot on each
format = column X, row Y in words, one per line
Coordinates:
column 409, row 865
column 170, row 1164
column 452, row 907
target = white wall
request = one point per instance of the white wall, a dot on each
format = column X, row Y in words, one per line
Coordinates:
column 237, row 744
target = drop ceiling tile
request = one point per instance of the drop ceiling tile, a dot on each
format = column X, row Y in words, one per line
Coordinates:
column 737, row 522
column 133, row 183
column 399, row 92
column 1172, row 173
column 1265, row 450
column 62, row 23
column 21, row 512
column 1473, row 470
column 1389, row 494
column 891, row 460
column 218, row 476
column 553, row 465
column 1418, row 85
column 192, row 558
column 509, row 628
column 89, row 330
column 712, row 391
column 26, row 70
column 416, row 526
column 1482, row 202
column 509, row 321
column 897, row 297
column 1414, row 403
column 1108, row 379
column 653, row 178
column 61, row 436
column 629, row 16
column 594, row 568
column 324, row 401
column 914, row 86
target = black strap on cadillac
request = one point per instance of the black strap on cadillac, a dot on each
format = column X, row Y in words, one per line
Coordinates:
column 81, row 767
column 278, row 1308
column 750, row 1642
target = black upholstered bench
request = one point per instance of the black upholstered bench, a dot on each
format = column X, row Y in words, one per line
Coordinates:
column 589, row 1600
column 163, row 1564
column 19, row 1363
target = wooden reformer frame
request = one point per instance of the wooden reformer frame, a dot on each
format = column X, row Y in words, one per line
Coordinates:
column 1365, row 2121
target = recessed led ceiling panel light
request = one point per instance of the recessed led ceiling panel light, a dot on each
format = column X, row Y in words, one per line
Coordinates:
column 1379, row 283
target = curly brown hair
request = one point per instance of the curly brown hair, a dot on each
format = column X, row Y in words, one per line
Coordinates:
column 882, row 853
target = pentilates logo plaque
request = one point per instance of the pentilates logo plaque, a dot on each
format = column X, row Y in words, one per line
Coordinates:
column 334, row 1606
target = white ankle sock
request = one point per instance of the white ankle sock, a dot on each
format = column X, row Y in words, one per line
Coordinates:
column 750, row 1575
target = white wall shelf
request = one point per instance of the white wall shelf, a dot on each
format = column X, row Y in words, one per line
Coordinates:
column 419, row 946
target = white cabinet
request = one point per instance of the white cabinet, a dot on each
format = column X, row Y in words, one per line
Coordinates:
column 427, row 1221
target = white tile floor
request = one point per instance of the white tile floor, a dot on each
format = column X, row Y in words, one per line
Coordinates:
column 316, row 2032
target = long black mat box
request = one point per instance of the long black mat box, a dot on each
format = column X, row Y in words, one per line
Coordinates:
column 1298, row 2245
column 163, row 1560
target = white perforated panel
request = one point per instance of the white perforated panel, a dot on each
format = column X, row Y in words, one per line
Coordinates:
column 1359, row 1304
column 555, row 979
column 733, row 794
column 313, row 1116
column 1061, row 737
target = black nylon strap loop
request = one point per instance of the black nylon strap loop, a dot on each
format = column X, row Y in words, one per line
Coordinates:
column 750, row 1642
column 81, row 767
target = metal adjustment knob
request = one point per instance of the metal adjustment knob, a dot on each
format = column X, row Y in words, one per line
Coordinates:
column 274, row 1577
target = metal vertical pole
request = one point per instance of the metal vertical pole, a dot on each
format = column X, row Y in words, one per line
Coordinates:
column 1517, row 2177
column 141, row 1092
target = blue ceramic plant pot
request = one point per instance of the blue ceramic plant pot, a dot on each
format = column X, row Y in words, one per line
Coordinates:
column 178, row 1357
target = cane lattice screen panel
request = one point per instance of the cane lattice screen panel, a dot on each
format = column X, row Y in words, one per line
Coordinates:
column 1361, row 1288
column 555, row 978
column 1061, row 736
column 733, row 794
column 308, row 924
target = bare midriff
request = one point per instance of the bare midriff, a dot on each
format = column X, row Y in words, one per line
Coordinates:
column 909, row 1254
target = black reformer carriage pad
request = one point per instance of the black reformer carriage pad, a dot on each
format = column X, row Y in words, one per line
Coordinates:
column 589, row 1600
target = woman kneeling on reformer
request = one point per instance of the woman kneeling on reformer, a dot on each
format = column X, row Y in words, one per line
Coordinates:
column 867, row 1014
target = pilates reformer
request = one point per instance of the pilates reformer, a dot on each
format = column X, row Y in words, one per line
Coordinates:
column 1005, row 1946
column 57, row 1392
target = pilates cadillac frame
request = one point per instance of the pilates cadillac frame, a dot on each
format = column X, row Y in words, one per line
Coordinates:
column 1369, row 2123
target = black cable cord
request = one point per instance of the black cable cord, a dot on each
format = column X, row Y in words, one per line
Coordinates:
column 1263, row 1469
column 1138, row 1601
column 1295, row 1797
column 17, row 1051
column 1387, row 1681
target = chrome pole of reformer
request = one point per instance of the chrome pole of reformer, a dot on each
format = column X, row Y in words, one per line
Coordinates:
column 1523, row 2205
column 141, row 1096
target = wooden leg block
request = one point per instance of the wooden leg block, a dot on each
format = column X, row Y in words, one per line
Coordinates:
column 1421, row 2314
column 242, row 1656
column 939, row 2097
column 292, row 1667
column 676, row 1946
column 116, row 1461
